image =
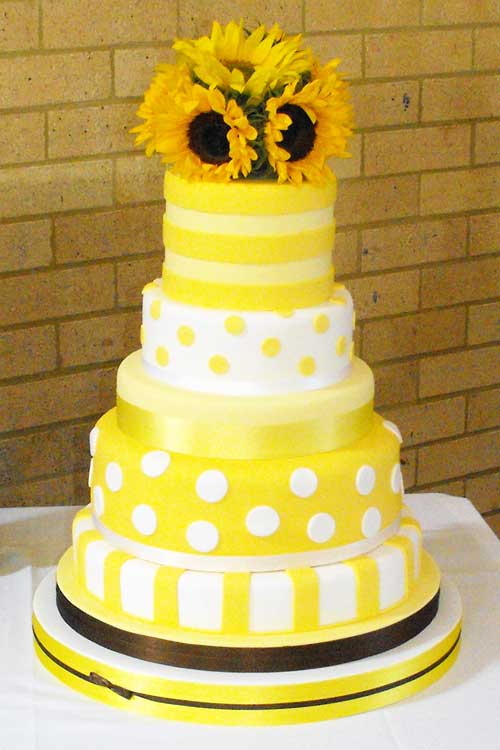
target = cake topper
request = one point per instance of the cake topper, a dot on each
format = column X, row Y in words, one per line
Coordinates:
column 246, row 104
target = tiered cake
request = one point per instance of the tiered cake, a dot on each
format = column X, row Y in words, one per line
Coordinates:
column 246, row 557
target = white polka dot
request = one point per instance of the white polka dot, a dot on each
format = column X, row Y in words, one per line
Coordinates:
column 371, row 523
column 321, row 527
column 303, row 482
column 393, row 428
column 154, row 463
column 202, row 536
column 365, row 479
column 396, row 479
column 98, row 496
column 94, row 434
column 144, row 519
column 262, row 521
column 114, row 476
column 211, row 486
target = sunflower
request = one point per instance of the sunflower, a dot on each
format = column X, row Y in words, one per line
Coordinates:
column 247, row 63
column 306, row 127
column 197, row 130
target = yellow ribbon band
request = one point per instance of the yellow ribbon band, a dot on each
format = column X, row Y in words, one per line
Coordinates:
column 262, row 249
column 194, row 437
column 242, row 297
column 248, row 197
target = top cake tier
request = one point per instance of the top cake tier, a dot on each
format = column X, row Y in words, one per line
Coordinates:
column 248, row 245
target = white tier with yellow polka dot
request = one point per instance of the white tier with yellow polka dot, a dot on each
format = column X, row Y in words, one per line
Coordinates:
column 293, row 600
column 238, row 515
column 246, row 352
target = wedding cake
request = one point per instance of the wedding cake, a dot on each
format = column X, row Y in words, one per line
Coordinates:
column 246, row 557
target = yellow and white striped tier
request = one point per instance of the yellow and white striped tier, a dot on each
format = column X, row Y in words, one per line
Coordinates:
column 247, row 352
column 247, row 514
column 248, row 245
column 293, row 600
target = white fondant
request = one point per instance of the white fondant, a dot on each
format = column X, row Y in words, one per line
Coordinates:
column 200, row 599
column 114, row 476
column 391, row 567
column 262, row 521
column 370, row 525
column 271, row 602
column 337, row 593
column 250, row 372
column 212, row 486
column 248, row 225
column 253, row 563
column 303, row 482
column 203, row 536
column 93, row 437
column 95, row 555
column 144, row 519
column 415, row 537
column 98, row 497
column 396, row 479
column 155, row 463
column 137, row 588
column 321, row 528
column 393, row 428
column 365, row 479
column 91, row 471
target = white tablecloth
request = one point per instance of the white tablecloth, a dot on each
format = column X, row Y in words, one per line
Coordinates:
column 462, row 710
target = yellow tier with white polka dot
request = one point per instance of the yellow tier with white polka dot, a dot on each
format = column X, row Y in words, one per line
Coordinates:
column 248, row 245
column 247, row 352
column 245, row 515
column 242, row 603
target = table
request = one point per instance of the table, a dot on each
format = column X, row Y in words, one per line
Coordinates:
column 462, row 710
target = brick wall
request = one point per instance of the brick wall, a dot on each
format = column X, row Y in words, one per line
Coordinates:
column 418, row 240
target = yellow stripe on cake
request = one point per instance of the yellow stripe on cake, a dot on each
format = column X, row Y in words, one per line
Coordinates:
column 239, row 248
column 367, row 586
column 112, row 588
column 165, row 606
column 248, row 297
column 236, row 606
column 248, row 197
column 306, row 598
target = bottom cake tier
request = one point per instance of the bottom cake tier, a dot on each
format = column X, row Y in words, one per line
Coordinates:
column 272, row 697
column 257, row 680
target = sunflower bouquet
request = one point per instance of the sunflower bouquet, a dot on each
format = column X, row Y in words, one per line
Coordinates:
column 245, row 104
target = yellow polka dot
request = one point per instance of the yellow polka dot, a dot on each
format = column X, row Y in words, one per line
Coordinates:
column 143, row 335
column 219, row 364
column 234, row 325
column 341, row 345
column 271, row 347
column 321, row 323
column 185, row 334
column 307, row 366
column 351, row 351
column 162, row 356
column 155, row 309
column 285, row 313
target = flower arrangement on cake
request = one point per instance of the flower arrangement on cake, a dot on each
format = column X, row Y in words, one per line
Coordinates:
column 243, row 104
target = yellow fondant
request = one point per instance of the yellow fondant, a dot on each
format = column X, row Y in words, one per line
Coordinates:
column 186, row 336
column 367, row 584
column 340, row 346
column 112, row 587
column 307, row 366
column 166, row 608
column 175, row 501
column 255, row 248
column 271, row 347
column 236, row 607
column 155, row 309
column 248, row 197
column 219, row 364
column 306, row 599
column 247, row 297
column 405, row 545
column 162, row 356
column 234, row 324
column 321, row 323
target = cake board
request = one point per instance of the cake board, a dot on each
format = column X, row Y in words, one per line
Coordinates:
column 246, row 699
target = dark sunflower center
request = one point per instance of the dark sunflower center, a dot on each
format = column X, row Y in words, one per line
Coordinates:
column 207, row 137
column 299, row 137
